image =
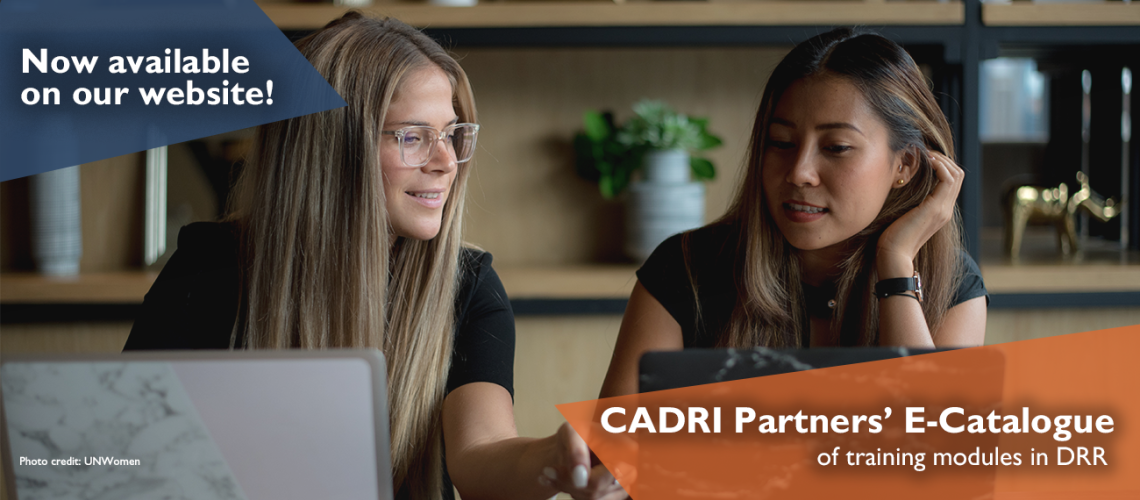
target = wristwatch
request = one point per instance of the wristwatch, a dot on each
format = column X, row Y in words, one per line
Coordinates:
column 899, row 286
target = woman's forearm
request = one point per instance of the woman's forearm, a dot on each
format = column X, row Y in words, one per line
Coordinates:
column 486, row 459
column 506, row 469
column 902, row 324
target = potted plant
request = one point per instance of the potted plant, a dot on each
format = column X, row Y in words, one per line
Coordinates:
column 659, row 142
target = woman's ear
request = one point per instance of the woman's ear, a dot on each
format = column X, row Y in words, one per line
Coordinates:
column 907, row 161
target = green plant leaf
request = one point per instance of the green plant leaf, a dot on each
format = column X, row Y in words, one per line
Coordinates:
column 708, row 141
column 597, row 128
column 585, row 157
column 620, row 182
column 609, row 154
column 606, row 186
column 702, row 168
column 612, row 148
column 605, row 168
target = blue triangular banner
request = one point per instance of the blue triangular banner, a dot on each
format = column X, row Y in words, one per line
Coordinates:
column 84, row 80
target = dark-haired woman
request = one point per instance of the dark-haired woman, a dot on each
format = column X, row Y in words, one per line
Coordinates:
column 843, row 233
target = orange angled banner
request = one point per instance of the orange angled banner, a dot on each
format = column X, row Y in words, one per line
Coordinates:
column 1039, row 419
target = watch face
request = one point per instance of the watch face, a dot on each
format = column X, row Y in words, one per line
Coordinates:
column 918, row 286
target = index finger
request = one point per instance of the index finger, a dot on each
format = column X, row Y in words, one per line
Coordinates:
column 577, row 453
column 949, row 175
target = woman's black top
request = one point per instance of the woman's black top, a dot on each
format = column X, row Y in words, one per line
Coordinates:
column 712, row 264
column 194, row 300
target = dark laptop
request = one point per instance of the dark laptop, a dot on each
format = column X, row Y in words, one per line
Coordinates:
column 676, row 369
column 975, row 375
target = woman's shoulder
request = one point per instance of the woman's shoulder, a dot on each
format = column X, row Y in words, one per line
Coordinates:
column 705, row 253
column 474, row 266
column 694, row 272
column 970, row 283
column 203, row 271
column 476, row 257
column 208, row 243
column 479, row 284
column 484, row 342
column 194, row 299
column 203, row 248
column 967, row 263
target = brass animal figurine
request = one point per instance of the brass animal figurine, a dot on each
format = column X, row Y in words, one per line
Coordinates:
column 1045, row 205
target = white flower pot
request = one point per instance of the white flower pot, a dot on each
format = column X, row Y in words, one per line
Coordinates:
column 664, row 204
column 57, row 237
column 670, row 166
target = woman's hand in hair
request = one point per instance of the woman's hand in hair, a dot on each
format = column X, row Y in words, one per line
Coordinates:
column 900, row 242
column 571, row 472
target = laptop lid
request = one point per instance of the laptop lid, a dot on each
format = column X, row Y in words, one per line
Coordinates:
column 676, row 369
column 197, row 425
column 972, row 379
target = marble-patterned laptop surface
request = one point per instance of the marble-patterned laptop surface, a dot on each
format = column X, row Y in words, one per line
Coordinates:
column 225, row 429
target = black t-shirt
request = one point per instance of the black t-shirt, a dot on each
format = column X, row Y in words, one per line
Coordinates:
column 194, row 300
column 712, row 264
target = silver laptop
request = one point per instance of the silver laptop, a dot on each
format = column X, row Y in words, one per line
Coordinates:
column 197, row 425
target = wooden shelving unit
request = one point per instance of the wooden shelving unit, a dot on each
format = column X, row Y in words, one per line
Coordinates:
column 1094, row 278
column 603, row 282
column 587, row 14
column 956, row 30
column 94, row 288
column 570, row 282
column 1061, row 14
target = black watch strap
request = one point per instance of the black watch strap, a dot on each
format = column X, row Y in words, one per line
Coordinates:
column 899, row 286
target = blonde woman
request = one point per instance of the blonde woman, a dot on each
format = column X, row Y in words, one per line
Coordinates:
column 843, row 233
column 345, row 230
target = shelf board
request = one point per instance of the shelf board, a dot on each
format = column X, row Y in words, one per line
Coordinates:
column 572, row 282
column 616, row 282
column 93, row 288
column 1092, row 278
column 597, row 14
column 562, row 282
column 1061, row 14
column 569, row 282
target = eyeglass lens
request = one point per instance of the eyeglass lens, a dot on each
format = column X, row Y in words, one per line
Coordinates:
column 418, row 143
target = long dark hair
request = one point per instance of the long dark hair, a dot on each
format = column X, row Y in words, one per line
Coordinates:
column 769, row 308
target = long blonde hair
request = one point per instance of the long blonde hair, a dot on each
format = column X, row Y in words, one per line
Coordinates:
column 321, row 267
column 769, row 308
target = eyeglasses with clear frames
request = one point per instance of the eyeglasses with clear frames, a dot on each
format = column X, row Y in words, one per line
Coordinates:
column 417, row 143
